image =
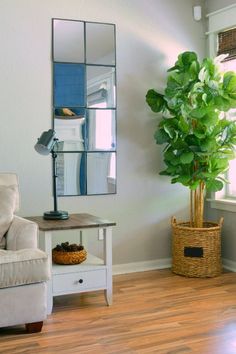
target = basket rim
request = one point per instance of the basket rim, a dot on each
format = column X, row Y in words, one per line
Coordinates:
column 181, row 224
column 69, row 252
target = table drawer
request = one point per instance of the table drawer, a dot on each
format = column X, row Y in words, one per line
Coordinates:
column 81, row 281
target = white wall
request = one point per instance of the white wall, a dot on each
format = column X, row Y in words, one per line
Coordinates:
column 150, row 35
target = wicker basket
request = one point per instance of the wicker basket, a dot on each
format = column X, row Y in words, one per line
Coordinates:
column 196, row 252
column 77, row 257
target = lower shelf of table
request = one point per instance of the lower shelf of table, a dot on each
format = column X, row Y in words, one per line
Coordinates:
column 90, row 275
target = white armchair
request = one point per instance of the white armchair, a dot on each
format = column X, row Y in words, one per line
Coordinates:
column 24, row 269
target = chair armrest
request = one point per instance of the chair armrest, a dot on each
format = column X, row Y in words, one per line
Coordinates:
column 22, row 234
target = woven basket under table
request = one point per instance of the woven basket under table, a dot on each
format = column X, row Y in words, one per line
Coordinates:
column 196, row 252
column 69, row 257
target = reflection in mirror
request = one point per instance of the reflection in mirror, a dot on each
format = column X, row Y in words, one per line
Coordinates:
column 101, row 173
column 101, row 129
column 100, row 43
column 71, row 171
column 69, row 123
column 100, row 86
column 69, row 85
column 68, row 41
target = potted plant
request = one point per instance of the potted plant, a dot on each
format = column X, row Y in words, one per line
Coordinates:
column 199, row 143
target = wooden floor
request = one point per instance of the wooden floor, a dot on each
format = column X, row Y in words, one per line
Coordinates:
column 153, row 312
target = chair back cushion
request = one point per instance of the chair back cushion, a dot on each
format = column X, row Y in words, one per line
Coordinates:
column 11, row 179
column 7, row 207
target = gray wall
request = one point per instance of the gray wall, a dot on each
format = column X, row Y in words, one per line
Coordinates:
column 150, row 35
column 214, row 5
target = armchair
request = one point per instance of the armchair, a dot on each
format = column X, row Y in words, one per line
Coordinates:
column 24, row 269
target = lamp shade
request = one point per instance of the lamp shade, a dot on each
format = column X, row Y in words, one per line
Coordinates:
column 46, row 142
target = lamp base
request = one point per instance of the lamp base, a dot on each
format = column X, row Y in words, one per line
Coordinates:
column 56, row 215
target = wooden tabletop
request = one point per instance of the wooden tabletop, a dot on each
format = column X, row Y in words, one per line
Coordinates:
column 75, row 221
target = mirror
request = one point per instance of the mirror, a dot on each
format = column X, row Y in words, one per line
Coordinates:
column 100, row 40
column 84, row 106
column 68, row 41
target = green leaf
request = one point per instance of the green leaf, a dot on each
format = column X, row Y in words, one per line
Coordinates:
column 219, row 165
column 194, row 69
column 194, row 185
column 187, row 157
column 198, row 112
column 161, row 136
column 169, row 155
column 209, row 119
column 208, row 144
column 155, row 100
column 200, row 134
column 169, row 130
column 210, row 67
column 183, row 125
column 229, row 83
column 214, row 185
column 186, row 58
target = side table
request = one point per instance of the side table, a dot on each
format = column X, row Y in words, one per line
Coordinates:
column 92, row 274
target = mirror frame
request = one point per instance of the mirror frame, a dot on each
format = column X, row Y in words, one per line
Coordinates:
column 86, row 152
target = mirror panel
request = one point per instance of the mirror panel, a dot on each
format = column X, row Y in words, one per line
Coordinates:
column 84, row 107
column 100, row 43
column 69, row 85
column 70, row 129
column 100, row 86
column 68, row 41
column 71, row 171
column 101, row 173
column 101, row 129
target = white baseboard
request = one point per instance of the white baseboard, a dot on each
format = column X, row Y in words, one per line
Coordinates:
column 141, row 266
column 229, row 265
column 158, row 264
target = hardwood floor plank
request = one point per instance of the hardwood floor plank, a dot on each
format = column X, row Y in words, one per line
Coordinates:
column 153, row 312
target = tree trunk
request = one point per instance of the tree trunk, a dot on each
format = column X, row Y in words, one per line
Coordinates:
column 197, row 206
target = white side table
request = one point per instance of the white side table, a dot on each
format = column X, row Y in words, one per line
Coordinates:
column 92, row 274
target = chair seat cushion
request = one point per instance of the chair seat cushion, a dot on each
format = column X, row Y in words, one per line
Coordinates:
column 21, row 267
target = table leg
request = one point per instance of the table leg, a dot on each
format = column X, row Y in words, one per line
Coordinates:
column 108, row 261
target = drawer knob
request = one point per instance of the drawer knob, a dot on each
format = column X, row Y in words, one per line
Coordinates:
column 80, row 281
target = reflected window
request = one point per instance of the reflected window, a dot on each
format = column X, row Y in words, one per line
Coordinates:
column 100, row 86
column 101, row 129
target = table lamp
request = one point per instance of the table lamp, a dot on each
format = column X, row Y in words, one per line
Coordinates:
column 45, row 146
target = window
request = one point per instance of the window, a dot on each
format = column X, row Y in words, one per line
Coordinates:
column 230, row 189
column 222, row 40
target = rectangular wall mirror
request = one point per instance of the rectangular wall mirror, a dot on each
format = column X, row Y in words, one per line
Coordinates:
column 84, row 106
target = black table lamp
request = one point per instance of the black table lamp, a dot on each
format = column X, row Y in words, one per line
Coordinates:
column 45, row 146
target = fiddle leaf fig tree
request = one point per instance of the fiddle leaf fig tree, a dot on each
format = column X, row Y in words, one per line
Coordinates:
column 199, row 139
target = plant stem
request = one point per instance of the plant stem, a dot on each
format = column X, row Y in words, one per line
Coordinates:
column 196, row 215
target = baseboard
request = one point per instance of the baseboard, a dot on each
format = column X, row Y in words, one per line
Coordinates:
column 141, row 266
column 158, row 264
column 229, row 265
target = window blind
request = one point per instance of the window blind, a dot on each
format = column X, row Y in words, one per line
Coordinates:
column 227, row 43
